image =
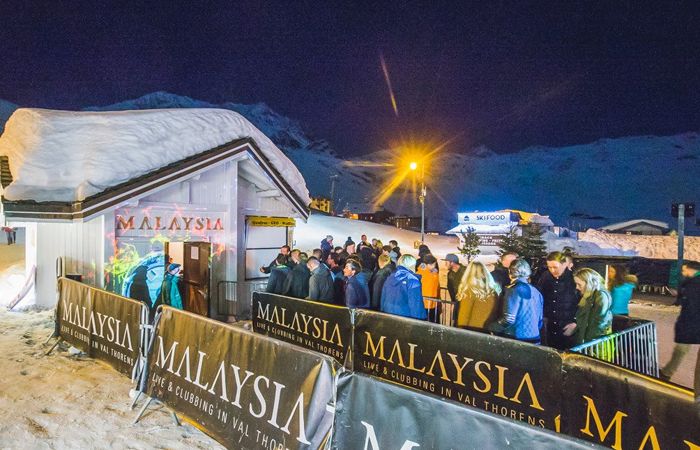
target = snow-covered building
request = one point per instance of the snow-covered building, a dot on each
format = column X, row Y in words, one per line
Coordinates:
column 638, row 226
column 102, row 193
column 491, row 226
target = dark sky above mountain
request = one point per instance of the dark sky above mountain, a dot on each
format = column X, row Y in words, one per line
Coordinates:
column 503, row 74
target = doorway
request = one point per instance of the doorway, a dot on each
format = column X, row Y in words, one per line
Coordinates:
column 194, row 259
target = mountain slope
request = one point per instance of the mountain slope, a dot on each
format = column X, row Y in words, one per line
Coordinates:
column 580, row 186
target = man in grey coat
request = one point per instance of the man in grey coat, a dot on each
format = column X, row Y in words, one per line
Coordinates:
column 321, row 281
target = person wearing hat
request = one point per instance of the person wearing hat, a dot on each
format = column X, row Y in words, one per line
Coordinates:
column 455, row 272
column 348, row 249
column 326, row 247
column 170, row 290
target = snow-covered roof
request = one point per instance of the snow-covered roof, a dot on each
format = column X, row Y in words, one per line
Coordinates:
column 480, row 228
column 66, row 156
column 629, row 223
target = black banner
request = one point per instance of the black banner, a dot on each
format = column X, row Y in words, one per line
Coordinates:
column 502, row 376
column 626, row 410
column 99, row 323
column 245, row 390
column 374, row 415
column 319, row 327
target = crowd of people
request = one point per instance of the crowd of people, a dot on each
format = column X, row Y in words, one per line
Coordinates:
column 560, row 307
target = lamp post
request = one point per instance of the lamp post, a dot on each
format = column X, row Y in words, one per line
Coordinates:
column 421, row 198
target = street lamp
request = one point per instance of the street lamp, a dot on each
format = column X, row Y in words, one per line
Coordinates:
column 413, row 166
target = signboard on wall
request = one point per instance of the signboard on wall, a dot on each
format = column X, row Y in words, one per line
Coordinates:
column 485, row 218
column 148, row 222
column 260, row 221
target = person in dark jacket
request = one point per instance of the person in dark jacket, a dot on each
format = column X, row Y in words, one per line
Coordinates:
column 455, row 273
column 687, row 325
column 139, row 286
column 395, row 248
column 401, row 294
column 278, row 275
column 321, row 281
column 338, row 279
column 522, row 309
column 356, row 288
column 377, row 281
column 285, row 250
column 326, row 247
column 560, row 301
column 297, row 282
column 368, row 258
column 500, row 272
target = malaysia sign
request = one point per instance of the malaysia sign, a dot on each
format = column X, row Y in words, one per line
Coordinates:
column 103, row 325
column 175, row 222
column 245, row 390
column 376, row 415
column 622, row 409
column 317, row 326
column 468, row 367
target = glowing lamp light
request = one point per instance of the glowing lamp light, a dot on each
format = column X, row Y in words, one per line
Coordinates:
column 413, row 165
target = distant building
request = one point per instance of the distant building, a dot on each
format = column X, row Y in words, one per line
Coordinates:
column 322, row 204
column 638, row 226
column 406, row 222
column 381, row 216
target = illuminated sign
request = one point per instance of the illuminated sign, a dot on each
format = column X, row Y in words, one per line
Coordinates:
column 259, row 221
column 177, row 222
column 485, row 218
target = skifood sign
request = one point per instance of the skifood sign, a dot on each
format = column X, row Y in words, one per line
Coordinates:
column 485, row 218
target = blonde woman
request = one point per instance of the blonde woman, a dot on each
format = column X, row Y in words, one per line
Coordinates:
column 478, row 297
column 594, row 314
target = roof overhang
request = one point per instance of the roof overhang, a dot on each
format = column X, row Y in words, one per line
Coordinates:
column 30, row 210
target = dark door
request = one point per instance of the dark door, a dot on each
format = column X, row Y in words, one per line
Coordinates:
column 195, row 277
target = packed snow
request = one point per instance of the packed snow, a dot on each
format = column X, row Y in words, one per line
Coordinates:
column 69, row 156
column 597, row 243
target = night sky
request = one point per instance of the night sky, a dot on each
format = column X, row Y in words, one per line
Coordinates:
column 503, row 74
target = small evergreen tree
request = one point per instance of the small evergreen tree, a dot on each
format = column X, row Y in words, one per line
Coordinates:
column 533, row 246
column 511, row 242
column 470, row 244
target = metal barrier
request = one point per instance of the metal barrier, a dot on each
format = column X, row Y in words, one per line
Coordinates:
column 445, row 312
column 633, row 345
column 233, row 297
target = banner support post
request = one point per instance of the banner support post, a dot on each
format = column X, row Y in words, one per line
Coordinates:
column 58, row 341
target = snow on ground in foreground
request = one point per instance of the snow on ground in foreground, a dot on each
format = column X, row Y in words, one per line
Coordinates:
column 12, row 275
column 63, row 403
column 68, row 156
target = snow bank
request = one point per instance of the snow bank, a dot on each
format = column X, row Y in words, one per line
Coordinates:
column 597, row 243
column 68, row 156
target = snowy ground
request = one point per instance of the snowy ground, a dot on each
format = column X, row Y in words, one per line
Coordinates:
column 67, row 402
column 12, row 275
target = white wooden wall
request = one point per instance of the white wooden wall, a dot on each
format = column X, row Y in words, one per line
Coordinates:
column 80, row 245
